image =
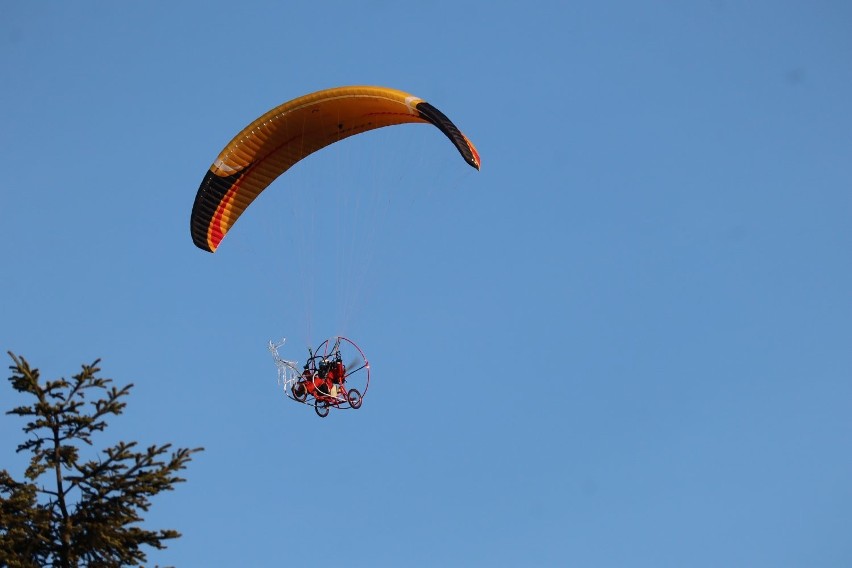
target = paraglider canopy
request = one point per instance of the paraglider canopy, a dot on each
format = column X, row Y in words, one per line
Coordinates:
column 270, row 145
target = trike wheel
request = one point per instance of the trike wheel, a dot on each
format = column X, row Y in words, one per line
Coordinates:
column 354, row 398
column 322, row 409
column 300, row 392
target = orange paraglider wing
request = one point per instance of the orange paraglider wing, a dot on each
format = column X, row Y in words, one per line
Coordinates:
column 270, row 145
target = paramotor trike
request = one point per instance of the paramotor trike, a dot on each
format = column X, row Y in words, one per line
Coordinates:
column 326, row 380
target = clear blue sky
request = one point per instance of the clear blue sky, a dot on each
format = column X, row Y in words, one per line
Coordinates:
column 627, row 341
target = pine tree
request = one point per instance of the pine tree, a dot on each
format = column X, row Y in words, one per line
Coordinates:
column 68, row 511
